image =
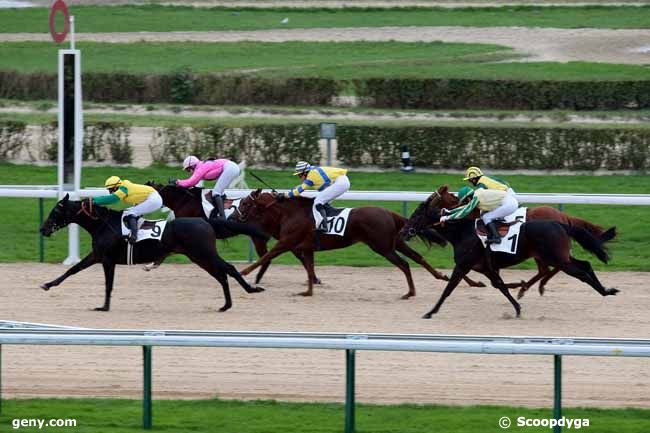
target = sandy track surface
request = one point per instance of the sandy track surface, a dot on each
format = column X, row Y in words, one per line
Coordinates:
column 351, row 300
column 540, row 44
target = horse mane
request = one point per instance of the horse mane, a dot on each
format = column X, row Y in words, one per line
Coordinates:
column 301, row 201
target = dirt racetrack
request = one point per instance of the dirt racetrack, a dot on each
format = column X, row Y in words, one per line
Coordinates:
column 351, row 300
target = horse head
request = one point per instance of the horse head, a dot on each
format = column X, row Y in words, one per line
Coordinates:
column 425, row 216
column 60, row 216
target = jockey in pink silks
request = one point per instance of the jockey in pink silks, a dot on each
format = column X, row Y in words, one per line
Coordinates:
column 224, row 171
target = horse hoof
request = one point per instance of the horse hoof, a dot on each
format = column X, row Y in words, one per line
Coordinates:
column 480, row 284
column 307, row 293
column 224, row 308
column 257, row 289
column 317, row 281
column 427, row 316
column 45, row 287
column 612, row 292
column 407, row 296
column 101, row 309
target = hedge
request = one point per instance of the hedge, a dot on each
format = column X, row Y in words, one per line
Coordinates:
column 278, row 145
column 210, row 89
column 497, row 147
column 103, row 141
column 179, row 87
column 505, row 95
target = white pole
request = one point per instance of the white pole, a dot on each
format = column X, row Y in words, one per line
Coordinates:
column 72, row 32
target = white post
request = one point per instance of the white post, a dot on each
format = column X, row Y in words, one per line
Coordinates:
column 73, row 189
column 72, row 32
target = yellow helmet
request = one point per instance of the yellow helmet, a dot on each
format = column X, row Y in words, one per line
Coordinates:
column 112, row 182
column 473, row 172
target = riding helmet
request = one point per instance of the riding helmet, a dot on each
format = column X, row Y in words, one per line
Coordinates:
column 190, row 161
column 112, row 182
column 473, row 172
column 301, row 167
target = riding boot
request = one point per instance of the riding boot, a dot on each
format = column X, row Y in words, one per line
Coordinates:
column 493, row 234
column 322, row 227
column 131, row 222
column 218, row 211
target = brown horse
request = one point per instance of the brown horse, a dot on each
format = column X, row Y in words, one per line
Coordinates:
column 544, row 272
column 547, row 241
column 291, row 222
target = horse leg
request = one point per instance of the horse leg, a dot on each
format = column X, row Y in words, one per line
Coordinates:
column 260, row 249
column 109, row 276
column 548, row 276
column 582, row 270
column 314, row 279
column 308, row 263
column 456, row 276
column 277, row 249
column 497, row 282
column 403, row 265
column 212, row 264
column 232, row 271
column 409, row 252
column 87, row 261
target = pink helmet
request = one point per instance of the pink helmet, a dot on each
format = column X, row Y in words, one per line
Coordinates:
column 190, row 161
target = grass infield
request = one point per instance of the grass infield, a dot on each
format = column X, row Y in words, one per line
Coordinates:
column 210, row 416
column 157, row 18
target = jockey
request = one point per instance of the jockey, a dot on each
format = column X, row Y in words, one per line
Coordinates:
column 144, row 199
column 331, row 183
column 508, row 204
column 224, row 171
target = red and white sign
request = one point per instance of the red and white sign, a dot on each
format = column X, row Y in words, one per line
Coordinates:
column 59, row 5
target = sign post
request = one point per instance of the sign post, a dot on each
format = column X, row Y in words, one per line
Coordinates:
column 70, row 119
column 328, row 132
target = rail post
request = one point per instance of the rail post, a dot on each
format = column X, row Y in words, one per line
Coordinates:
column 146, row 401
column 349, row 390
column 405, row 209
column 250, row 250
column 557, row 394
column 41, row 239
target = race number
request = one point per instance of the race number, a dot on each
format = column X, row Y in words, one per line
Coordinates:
column 336, row 225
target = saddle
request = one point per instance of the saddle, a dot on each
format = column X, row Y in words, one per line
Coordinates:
column 502, row 226
column 332, row 211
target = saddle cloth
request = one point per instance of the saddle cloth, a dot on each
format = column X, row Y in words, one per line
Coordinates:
column 229, row 206
column 337, row 220
column 508, row 229
column 147, row 229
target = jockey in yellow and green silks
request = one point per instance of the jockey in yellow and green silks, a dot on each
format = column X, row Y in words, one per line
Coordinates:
column 143, row 198
column 493, row 196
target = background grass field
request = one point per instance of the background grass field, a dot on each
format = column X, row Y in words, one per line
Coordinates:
column 629, row 252
column 207, row 416
column 336, row 60
column 155, row 18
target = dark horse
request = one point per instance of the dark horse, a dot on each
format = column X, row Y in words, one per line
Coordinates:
column 548, row 241
column 187, row 202
column 190, row 236
column 291, row 222
column 544, row 272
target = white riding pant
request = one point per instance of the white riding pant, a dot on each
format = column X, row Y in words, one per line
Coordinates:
column 508, row 206
column 229, row 173
column 335, row 190
column 151, row 204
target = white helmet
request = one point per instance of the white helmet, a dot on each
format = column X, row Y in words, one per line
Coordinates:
column 190, row 161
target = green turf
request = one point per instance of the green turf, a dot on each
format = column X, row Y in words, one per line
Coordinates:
column 629, row 252
column 223, row 416
column 336, row 60
column 161, row 18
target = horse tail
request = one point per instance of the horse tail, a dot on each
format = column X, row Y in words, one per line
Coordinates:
column 592, row 228
column 589, row 242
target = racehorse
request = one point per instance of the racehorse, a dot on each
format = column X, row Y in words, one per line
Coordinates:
column 192, row 237
column 547, row 241
column 291, row 222
column 187, row 202
column 544, row 272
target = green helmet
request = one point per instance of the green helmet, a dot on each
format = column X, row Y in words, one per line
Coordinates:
column 465, row 192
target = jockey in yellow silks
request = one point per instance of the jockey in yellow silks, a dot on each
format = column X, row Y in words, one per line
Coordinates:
column 492, row 196
column 143, row 198
column 330, row 182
